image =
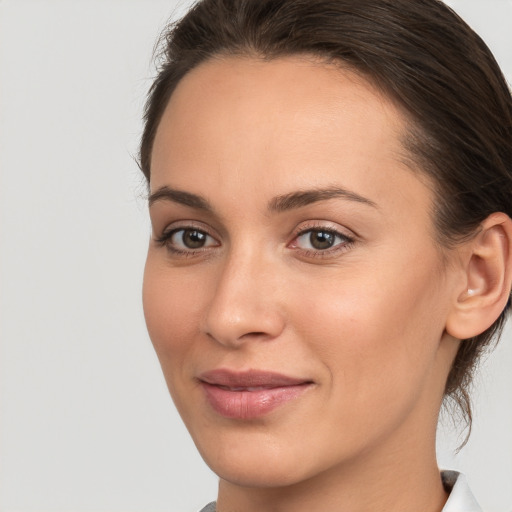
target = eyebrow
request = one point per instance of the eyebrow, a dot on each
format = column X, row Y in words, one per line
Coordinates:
column 179, row 196
column 306, row 197
column 278, row 204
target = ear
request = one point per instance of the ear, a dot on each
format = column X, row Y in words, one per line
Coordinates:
column 486, row 280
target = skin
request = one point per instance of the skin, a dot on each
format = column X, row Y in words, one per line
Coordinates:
column 365, row 320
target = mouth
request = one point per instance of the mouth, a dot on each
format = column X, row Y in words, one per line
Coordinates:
column 251, row 394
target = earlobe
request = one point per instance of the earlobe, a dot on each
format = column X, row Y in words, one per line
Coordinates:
column 487, row 279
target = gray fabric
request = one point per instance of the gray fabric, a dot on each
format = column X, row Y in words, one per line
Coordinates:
column 209, row 508
column 460, row 500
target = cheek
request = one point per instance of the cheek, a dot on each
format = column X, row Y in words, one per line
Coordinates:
column 377, row 332
column 171, row 310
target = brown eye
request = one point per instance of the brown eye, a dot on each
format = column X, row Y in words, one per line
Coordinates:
column 321, row 239
column 318, row 240
column 192, row 238
column 189, row 239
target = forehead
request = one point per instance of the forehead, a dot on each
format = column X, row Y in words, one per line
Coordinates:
column 304, row 95
column 286, row 123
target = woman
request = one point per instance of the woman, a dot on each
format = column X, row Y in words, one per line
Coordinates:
column 330, row 186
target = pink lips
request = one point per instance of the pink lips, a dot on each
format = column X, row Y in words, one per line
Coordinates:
column 248, row 395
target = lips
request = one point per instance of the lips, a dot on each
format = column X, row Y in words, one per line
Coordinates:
column 249, row 395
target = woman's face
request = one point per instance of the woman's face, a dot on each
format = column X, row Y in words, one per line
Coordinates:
column 293, row 291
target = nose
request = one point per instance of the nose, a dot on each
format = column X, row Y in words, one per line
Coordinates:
column 245, row 304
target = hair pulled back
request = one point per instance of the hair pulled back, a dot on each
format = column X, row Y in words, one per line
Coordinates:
column 423, row 56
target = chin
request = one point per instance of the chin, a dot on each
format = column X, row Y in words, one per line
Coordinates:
column 259, row 459
column 258, row 473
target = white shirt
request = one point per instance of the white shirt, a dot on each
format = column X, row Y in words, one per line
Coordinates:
column 461, row 499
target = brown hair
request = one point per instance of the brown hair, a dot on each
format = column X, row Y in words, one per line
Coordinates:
column 422, row 55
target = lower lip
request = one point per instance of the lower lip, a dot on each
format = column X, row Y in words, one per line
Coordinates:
column 246, row 405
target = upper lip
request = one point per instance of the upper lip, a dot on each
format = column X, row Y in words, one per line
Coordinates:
column 250, row 378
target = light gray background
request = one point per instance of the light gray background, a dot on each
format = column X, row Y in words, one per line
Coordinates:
column 86, row 422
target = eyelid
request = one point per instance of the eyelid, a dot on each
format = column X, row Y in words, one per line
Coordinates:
column 324, row 225
column 187, row 224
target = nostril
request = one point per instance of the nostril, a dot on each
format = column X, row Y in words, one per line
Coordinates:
column 255, row 334
column 239, row 340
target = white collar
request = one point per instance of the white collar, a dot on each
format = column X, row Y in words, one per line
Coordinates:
column 461, row 499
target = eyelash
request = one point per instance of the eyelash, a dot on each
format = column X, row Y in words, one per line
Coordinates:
column 165, row 240
column 344, row 241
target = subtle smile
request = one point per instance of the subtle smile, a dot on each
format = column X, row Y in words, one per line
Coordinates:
column 249, row 395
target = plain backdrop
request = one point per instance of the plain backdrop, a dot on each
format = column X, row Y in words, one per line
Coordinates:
column 86, row 423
